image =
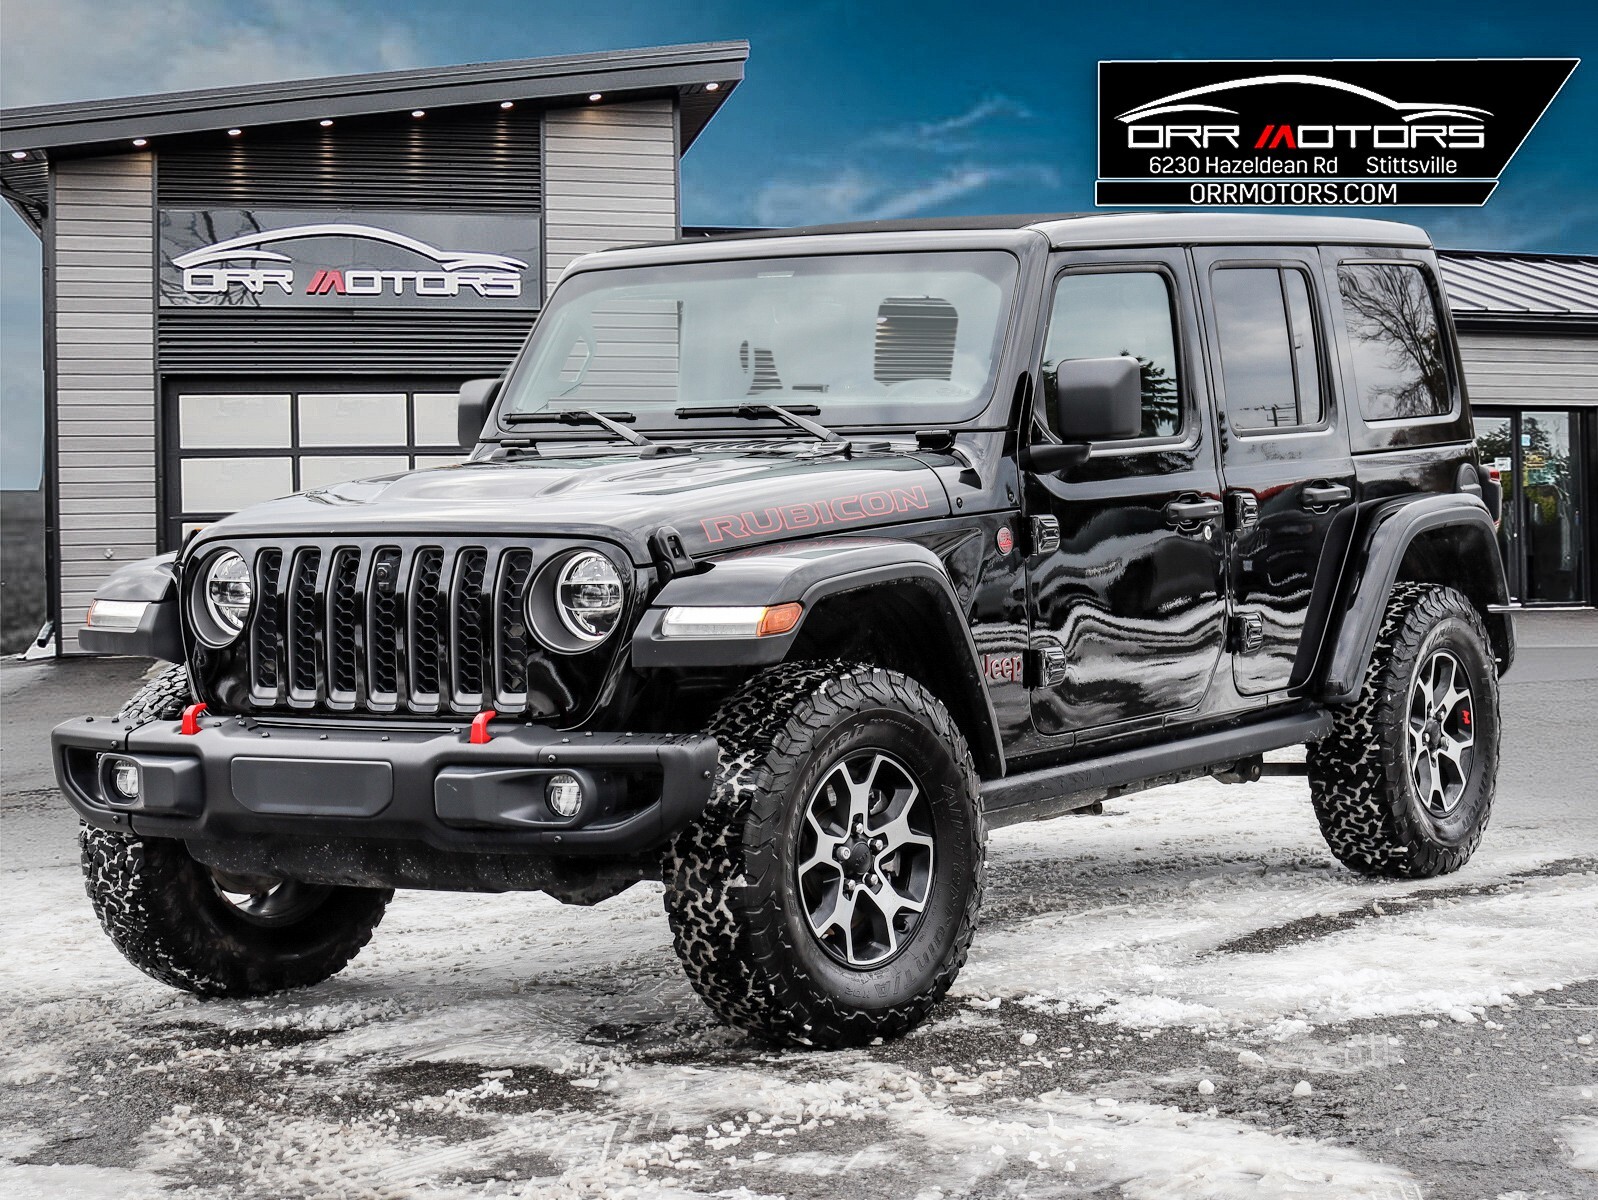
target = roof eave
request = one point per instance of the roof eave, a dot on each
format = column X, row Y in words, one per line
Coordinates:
column 619, row 75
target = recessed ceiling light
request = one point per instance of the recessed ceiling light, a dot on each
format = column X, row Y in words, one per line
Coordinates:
column 712, row 87
column 507, row 104
column 234, row 132
column 140, row 142
column 325, row 122
column 19, row 154
column 595, row 97
column 418, row 112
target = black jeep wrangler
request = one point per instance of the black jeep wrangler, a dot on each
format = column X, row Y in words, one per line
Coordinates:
column 783, row 567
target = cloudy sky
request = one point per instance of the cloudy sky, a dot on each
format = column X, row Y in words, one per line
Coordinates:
column 848, row 110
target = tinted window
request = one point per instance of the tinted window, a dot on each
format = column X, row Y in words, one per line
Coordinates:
column 1397, row 341
column 1269, row 365
column 1114, row 313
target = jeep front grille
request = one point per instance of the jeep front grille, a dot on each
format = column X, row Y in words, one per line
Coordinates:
column 408, row 628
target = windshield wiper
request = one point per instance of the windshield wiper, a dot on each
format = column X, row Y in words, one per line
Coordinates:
column 578, row 416
column 794, row 416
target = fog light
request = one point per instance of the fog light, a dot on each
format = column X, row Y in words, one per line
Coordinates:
column 125, row 780
column 565, row 795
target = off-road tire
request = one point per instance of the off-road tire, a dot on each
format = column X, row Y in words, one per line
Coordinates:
column 1359, row 775
column 163, row 911
column 731, row 894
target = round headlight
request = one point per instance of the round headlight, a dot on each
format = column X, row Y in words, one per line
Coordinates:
column 588, row 596
column 228, row 594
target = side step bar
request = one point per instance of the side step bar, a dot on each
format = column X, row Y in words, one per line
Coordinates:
column 1065, row 787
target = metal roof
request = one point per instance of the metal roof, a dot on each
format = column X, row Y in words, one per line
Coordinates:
column 1509, row 288
column 102, row 126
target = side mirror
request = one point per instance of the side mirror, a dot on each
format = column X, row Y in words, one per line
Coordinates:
column 1095, row 400
column 1098, row 399
column 476, row 398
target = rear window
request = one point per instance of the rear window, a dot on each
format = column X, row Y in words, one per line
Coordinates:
column 1397, row 339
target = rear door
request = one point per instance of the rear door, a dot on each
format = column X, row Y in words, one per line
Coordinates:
column 1284, row 453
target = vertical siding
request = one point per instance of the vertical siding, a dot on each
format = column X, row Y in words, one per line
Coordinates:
column 610, row 179
column 1528, row 369
column 104, row 360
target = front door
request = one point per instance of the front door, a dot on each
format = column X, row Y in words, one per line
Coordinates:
column 1284, row 450
column 1126, row 575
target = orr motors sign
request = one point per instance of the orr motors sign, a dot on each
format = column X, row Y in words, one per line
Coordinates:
column 243, row 258
column 1325, row 132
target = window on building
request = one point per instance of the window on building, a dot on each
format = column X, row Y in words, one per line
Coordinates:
column 1397, row 340
column 1110, row 313
column 1270, row 367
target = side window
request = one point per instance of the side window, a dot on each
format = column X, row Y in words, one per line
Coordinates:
column 1105, row 314
column 1399, row 362
column 1270, row 367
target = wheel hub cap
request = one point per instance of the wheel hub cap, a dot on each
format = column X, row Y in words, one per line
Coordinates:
column 1441, row 739
column 865, row 858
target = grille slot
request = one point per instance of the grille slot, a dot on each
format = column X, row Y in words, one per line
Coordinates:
column 266, row 640
column 382, row 629
column 512, row 644
column 304, row 628
column 404, row 628
column 427, row 641
column 467, row 610
column 343, row 627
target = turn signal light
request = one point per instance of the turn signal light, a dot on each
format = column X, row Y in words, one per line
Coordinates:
column 779, row 618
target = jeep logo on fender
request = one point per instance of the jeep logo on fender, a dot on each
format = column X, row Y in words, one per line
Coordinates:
column 1427, row 131
column 278, row 258
column 815, row 514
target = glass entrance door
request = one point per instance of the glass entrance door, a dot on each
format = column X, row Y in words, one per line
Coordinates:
column 1539, row 459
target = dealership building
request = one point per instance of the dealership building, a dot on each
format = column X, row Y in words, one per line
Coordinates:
column 250, row 291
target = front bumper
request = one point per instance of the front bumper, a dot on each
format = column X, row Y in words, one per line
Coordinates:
column 241, row 778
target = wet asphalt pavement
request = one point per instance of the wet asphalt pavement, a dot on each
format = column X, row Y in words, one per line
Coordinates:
column 489, row 1046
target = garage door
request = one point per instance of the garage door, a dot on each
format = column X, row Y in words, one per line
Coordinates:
column 229, row 447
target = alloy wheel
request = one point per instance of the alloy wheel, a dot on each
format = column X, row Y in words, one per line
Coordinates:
column 866, row 858
column 1441, row 738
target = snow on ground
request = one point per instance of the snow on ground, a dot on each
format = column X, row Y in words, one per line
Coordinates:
column 506, row 1045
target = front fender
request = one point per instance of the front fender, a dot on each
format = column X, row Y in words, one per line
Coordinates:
column 154, row 630
column 809, row 573
column 1461, row 551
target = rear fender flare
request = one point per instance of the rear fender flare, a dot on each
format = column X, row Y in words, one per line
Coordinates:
column 1467, row 551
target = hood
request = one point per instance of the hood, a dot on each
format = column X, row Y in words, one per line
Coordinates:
column 719, row 498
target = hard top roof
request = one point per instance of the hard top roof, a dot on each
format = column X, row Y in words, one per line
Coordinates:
column 1069, row 230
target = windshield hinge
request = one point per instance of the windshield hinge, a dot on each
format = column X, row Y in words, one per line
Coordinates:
column 671, row 555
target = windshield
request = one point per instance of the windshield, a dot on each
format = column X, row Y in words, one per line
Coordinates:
column 854, row 339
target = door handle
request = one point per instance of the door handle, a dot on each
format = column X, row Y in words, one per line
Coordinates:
column 1327, row 494
column 1191, row 512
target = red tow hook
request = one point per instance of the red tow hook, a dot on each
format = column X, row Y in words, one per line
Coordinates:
column 480, row 735
column 191, row 719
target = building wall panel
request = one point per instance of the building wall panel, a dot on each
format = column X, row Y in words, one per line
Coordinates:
column 1529, row 369
column 103, row 346
column 610, row 179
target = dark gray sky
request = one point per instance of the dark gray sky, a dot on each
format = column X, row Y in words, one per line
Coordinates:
column 848, row 110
